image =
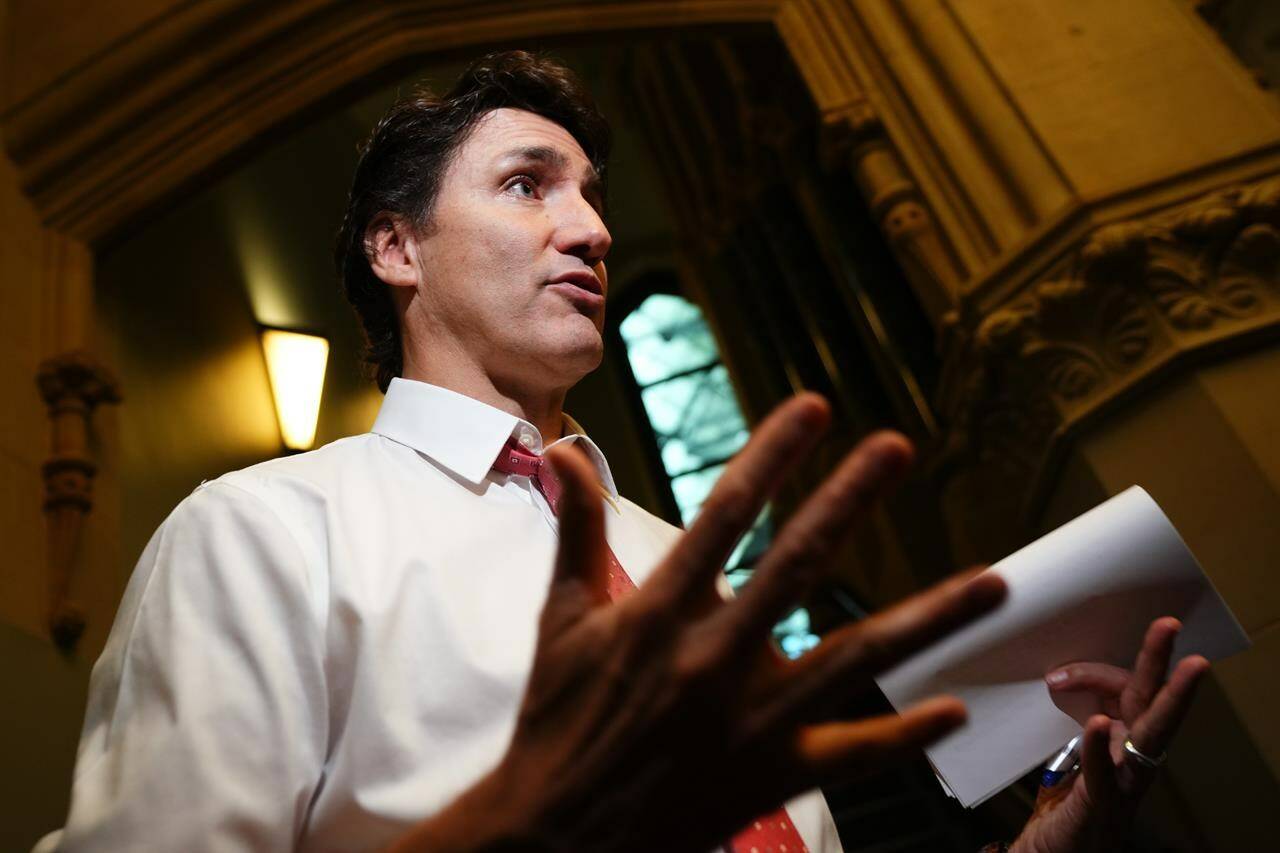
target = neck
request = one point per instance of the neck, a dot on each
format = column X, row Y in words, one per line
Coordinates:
column 541, row 407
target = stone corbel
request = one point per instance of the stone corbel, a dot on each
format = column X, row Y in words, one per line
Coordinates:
column 72, row 385
column 1135, row 302
column 854, row 135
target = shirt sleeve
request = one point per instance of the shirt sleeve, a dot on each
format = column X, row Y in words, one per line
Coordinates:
column 206, row 728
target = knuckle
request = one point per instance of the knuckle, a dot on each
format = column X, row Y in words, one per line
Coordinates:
column 695, row 664
column 634, row 621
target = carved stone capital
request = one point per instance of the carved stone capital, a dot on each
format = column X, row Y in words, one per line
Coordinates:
column 846, row 127
column 1135, row 301
column 76, row 381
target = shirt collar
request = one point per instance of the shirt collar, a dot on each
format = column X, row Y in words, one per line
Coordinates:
column 465, row 435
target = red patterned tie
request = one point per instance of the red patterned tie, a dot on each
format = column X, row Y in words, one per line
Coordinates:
column 773, row 833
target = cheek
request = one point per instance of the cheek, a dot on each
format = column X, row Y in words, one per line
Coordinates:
column 487, row 263
column 501, row 252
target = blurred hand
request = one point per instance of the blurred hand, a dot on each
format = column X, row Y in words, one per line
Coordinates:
column 665, row 720
column 1092, row 811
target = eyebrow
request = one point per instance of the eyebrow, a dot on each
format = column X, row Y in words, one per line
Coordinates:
column 555, row 159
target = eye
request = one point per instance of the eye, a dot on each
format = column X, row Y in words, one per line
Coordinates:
column 523, row 185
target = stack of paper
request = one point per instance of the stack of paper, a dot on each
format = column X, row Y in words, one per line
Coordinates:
column 1085, row 592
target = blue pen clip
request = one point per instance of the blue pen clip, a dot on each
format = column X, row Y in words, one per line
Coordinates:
column 1062, row 764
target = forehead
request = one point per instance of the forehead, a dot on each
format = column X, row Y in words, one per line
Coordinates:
column 505, row 132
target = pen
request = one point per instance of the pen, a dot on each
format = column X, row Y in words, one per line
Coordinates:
column 1062, row 764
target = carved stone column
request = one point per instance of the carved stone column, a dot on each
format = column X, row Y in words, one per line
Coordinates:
column 854, row 135
column 72, row 385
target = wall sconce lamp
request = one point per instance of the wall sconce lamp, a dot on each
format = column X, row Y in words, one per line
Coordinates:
column 295, row 363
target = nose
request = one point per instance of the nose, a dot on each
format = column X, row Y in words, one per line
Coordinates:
column 581, row 232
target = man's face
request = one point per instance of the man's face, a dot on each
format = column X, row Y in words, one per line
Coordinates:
column 505, row 264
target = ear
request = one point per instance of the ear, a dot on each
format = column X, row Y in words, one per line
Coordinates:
column 393, row 250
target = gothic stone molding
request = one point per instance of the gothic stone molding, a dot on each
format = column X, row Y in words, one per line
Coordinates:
column 73, row 385
column 1137, row 300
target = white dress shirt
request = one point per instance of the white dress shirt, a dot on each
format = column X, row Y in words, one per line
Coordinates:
column 317, row 652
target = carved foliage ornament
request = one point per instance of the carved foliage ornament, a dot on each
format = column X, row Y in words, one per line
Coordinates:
column 1134, row 295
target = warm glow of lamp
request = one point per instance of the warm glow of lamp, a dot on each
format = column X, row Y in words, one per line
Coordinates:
column 296, row 363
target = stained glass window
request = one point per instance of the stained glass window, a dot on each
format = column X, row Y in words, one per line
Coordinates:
column 698, row 425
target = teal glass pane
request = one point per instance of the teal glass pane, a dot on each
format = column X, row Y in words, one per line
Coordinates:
column 696, row 419
column 794, row 635
column 692, row 489
column 666, row 335
column 753, row 545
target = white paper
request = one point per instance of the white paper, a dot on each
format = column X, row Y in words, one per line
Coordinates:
column 1085, row 592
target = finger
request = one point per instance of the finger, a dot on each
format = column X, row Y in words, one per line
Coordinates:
column 1155, row 729
column 1153, row 663
column 1097, row 765
column 805, row 546
column 837, row 750
column 579, row 580
column 846, row 660
column 1101, row 679
column 751, row 478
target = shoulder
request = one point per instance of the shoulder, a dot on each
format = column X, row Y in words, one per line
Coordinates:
column 268, row 518
column 282, row 506
column 226, row 559
column 314, row 472
column 305, row 490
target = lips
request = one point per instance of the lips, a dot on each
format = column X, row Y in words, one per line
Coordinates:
column 583, row 290
column 585, row 279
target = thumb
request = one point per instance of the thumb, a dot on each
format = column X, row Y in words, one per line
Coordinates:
column 580, row 578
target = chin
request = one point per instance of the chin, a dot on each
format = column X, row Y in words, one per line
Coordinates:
column 580, row 340
column 561, row 362
column 585, row 356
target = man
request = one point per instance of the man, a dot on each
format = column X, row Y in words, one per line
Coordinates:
column 426, row 637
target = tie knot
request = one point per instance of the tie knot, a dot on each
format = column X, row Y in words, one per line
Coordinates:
column 515, row 459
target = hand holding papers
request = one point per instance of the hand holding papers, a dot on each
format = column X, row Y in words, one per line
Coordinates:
column 1085, row 592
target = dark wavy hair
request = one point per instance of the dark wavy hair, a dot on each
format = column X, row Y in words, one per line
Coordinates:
column 404, row 160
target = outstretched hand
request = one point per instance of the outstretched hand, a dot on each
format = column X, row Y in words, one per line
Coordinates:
column 666, row 720
column 1092, row 811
